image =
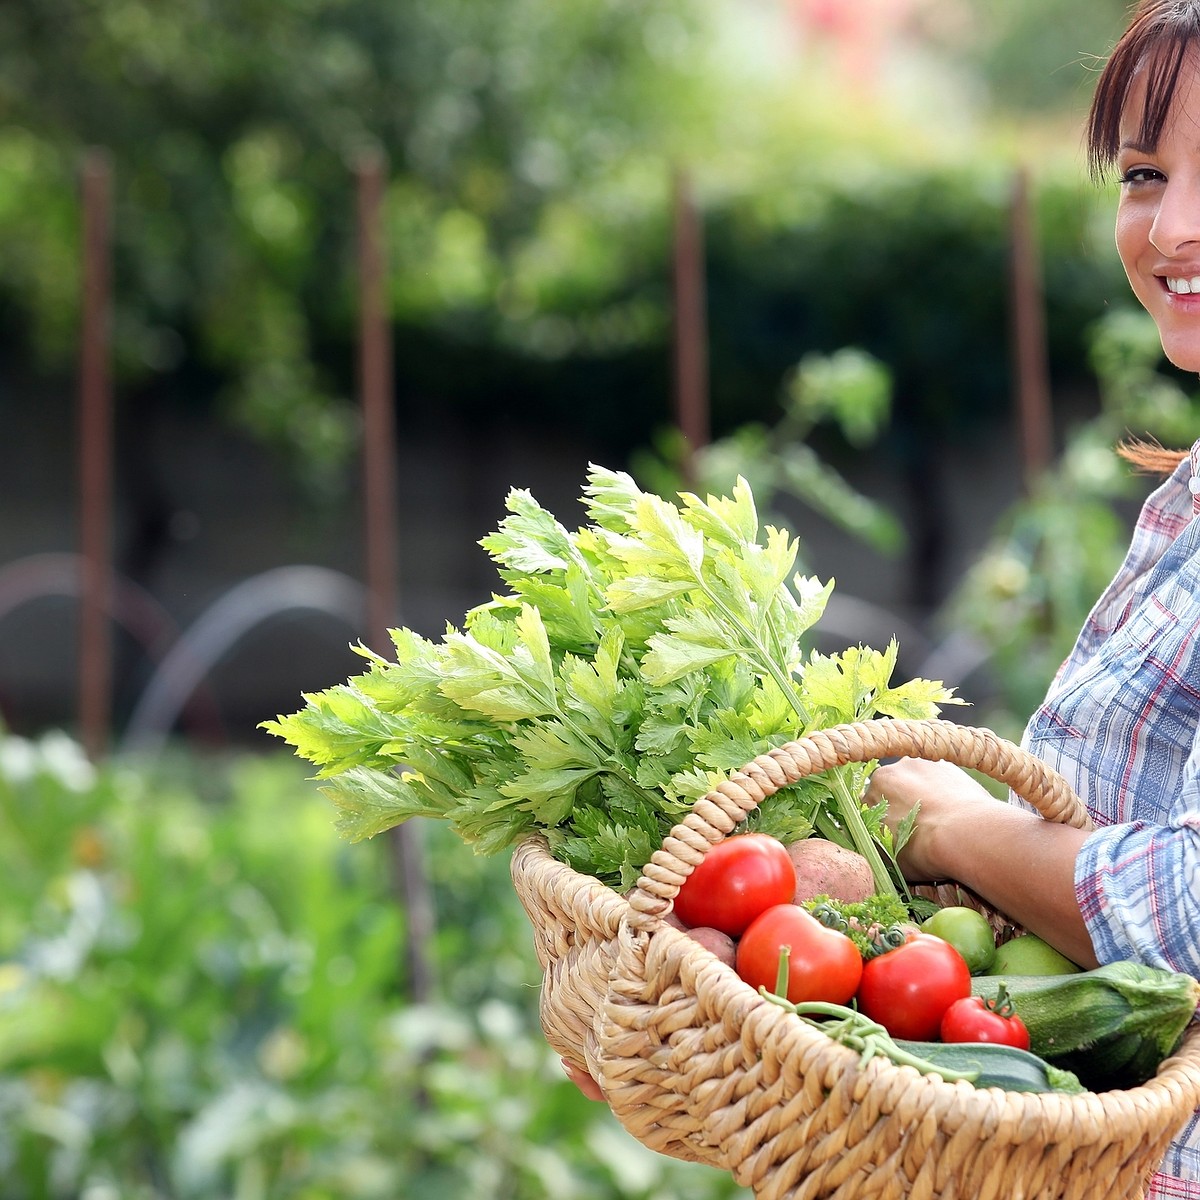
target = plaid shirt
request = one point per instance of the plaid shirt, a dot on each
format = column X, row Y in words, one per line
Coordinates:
column 1122, row 723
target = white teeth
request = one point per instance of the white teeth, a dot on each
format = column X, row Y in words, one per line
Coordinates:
column 1184, row 287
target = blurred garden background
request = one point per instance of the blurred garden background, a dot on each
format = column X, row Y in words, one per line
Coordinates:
column 205, row 994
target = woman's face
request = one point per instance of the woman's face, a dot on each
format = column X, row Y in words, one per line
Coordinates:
column 1158, row 218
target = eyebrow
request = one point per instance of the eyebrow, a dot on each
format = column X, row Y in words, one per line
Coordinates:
column 1136, row 146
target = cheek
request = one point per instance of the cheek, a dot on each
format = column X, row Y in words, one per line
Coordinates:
column 1134, row 224
column 1132, row 232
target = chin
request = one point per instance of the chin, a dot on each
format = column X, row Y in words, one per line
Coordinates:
column 1186, row 358
column 1181, row 346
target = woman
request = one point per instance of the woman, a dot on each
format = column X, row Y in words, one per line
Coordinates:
column 1122, row 719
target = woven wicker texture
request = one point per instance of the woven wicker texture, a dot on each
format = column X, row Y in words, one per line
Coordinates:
column 697, row 1065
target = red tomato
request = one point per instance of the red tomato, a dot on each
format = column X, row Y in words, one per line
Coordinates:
column 823, row 964
column 908, row 989
column 974, row 1019
column 738, row 879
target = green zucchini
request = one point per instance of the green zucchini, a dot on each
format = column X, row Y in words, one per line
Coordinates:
column 993, row 1065
column 1112, row 1026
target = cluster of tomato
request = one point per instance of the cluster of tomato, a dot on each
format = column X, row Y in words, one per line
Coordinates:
column 918, row 986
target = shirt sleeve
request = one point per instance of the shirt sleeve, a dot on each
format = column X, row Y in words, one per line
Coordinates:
column 1138, row 886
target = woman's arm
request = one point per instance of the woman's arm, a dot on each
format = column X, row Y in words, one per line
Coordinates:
column 1012, row 858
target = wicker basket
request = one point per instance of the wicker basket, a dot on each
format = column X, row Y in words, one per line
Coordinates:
column 698, row 1066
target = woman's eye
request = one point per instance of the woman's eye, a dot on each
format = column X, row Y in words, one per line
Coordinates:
column 1137, row 175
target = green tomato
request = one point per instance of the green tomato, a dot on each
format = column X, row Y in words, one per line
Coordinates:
column 968, row 931
column 1029, row 955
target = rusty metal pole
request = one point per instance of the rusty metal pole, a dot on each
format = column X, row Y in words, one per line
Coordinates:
column 95, row 456
column 378, row 415
column 1031, row 373
column 690, row 332
column 375, row 379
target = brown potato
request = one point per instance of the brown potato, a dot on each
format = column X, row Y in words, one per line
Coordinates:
column 672, row 918
column 824, row 868
column 721, row 944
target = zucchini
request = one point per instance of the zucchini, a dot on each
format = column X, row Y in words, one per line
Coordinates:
column 1112, row 1026
column 993, row 1065
column 984, row 1064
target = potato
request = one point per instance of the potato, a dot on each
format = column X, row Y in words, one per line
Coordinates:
column 824, row 868
column 673, row 919
column 721, row 944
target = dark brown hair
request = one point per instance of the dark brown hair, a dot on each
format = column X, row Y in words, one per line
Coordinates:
column 1159, row 37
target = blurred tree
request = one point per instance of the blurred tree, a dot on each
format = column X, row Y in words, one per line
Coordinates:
column 232, row 124
column 529, row 147
column 1050, row 556
column 1028, row 53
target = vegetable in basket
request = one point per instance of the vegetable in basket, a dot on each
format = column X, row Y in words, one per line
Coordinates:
column 1112, row 1026
column 968, row 931
column 982, row 1064
column 628, row 666
column 991, row 1019
column 738, row 879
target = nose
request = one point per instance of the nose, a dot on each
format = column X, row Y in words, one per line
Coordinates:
column 1177, row 221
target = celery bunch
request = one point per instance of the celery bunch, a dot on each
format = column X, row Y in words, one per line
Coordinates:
column 627, row 667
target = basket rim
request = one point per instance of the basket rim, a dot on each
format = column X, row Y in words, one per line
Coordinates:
column 715, row 815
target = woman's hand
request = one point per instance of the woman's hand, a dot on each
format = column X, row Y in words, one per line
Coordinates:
column 943, row 792
column 1016, row 861
column 583, row 1081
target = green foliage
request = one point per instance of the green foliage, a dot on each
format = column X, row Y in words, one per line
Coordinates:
column 517, row 134
column 1028, row 54
column 529, row 148
column 911, row 267
column 631, row 665
column 203, row 998
column 1029, row 592
column 848, row 389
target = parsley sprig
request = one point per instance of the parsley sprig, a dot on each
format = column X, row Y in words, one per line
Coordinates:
column 626, row 668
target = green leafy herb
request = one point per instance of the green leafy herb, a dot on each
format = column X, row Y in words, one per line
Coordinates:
column 628, row 666
column 862, row 920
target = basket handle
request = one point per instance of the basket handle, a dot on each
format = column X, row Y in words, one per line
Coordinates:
column 716, row 814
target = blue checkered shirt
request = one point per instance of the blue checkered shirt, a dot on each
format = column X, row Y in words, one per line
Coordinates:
column 1122, row 723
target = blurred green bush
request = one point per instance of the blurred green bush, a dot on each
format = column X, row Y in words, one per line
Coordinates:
column 531, row 149
column 202, row 998
column 1029, row 590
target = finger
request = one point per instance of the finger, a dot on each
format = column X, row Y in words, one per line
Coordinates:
column 583, row 1081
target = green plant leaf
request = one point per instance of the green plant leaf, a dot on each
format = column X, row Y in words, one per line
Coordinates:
column 370, row 802
column 672, row 656
column 336, row 730
column 530, row 540
column 917, row 699
column 631, row 665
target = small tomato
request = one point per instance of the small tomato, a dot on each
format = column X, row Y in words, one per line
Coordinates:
column 823, row 964
column 738, row 879
column 976, row 1019
column 908, row 989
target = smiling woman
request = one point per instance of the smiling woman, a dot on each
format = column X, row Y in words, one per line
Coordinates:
column 1122, row 719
